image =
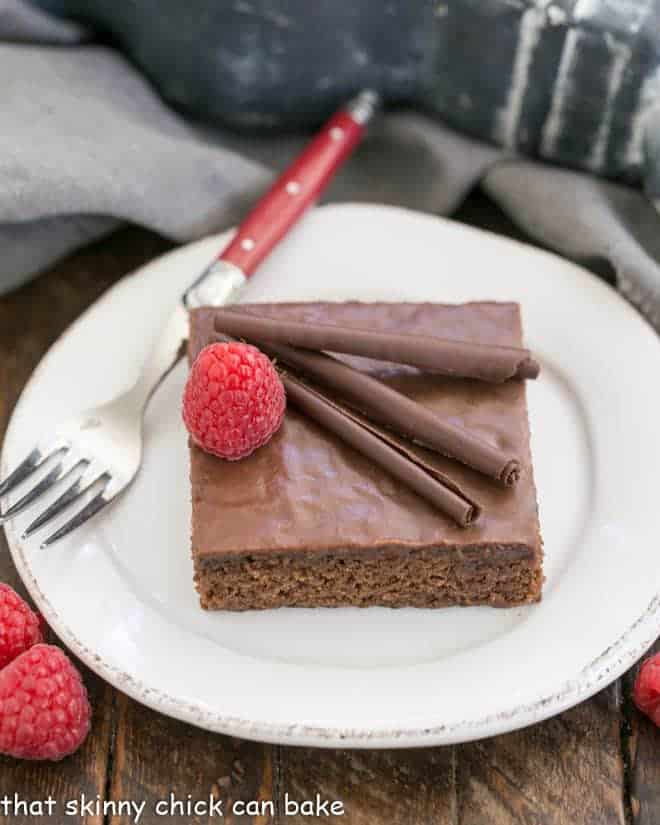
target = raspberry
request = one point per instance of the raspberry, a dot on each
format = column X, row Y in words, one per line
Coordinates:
column 646, row 692
column 20, row 627
column 233, row 401
column 44, row 710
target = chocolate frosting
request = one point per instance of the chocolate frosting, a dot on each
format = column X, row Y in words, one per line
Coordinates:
column 386, row 451
column 462, row 359
column 377, row 400
column 308, row 491
column 395, row 455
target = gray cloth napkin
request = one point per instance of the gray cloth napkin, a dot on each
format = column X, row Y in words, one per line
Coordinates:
column 85, row 143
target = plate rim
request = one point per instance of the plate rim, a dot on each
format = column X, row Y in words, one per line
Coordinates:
column 603, row 670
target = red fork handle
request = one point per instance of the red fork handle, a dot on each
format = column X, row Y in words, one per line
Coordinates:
column 299, row 186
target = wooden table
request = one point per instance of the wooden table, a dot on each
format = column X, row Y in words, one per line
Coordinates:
column 597, row 764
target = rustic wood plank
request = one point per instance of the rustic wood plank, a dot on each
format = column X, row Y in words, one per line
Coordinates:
column 400, row 787
column 564, row 771
column 644, row 756
column 156, row 756
column 30, row 321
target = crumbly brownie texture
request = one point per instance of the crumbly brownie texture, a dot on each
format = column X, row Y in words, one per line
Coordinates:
column 432, row 577
column 305, row 521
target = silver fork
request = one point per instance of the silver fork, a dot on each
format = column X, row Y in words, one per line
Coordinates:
column 98, row 453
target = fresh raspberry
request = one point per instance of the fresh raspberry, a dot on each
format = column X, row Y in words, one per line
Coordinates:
column 20, row 627
column 234, row 400
column 646, row 692
column 44, row 710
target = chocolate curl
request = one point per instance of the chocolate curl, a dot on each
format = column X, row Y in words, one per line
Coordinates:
column 382, row 449
column 460, row 359
column 404, row 461
column 380, row 402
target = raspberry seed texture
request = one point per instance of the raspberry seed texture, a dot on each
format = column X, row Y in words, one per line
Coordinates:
column 20, row 626
column 44, row 710
column 234, row 400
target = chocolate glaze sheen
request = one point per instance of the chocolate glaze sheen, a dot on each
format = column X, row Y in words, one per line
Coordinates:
column 393, row 409
column 307, row 491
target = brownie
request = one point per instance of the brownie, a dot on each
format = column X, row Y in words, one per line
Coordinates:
column 306, row 521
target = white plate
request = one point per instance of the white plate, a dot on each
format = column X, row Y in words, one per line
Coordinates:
column 119, row 592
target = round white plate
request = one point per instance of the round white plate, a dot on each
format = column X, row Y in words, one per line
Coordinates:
column 119, row 592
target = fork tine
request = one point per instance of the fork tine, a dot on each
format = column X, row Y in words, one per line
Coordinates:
column 27, row 467
column 60, row 471
column 68, row 497
column 92, row 507
column 32, row 494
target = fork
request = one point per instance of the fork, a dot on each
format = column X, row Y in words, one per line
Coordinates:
column 98, row 452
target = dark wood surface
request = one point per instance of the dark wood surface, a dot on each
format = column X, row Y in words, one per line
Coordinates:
column 596, row 764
